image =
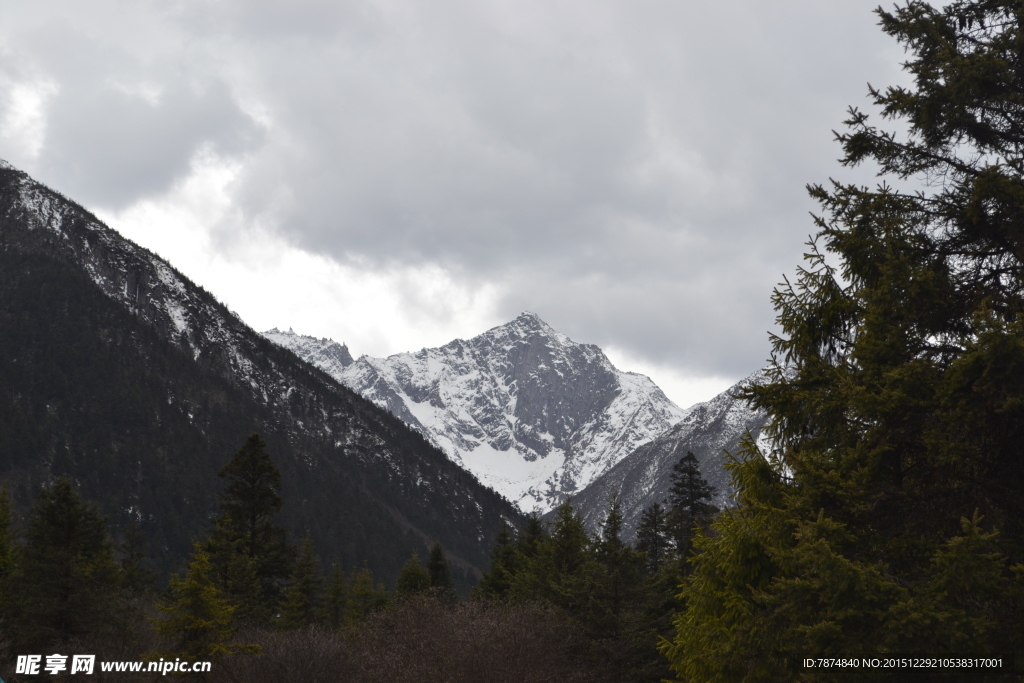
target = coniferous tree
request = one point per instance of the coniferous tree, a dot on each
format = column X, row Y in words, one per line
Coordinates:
column 251, row 555
column 497, row 581
column 555, row 564
column 301, row 605
column 440, row 571
column 615, row 579
column 652, row 537
column 65, row 582
column 336, row 600
column 364, row 597
column 689, row 503
column 136, row 577
column 531, row 540
column 413, row 579
column 197, row 620
column 891, row 499
column 235, row 573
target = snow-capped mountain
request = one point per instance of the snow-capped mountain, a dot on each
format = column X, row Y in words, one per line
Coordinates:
column 643, row 477
column 120, row 372
column 326, row 354
column 530, row 412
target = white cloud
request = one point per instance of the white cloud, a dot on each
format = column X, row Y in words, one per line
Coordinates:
column 23, row 123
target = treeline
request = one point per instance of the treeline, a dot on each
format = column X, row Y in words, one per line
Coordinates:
column 554, row 600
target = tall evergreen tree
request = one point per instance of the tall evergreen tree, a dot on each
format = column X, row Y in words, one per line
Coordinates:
column 336, row 600
column 302, row 601
column 248, row 503
column 136, row 577
column 497, row 582
column 891, row 500
column 555, row 565
column 531, row 540
column 65, row 582
column 440, row 573
column 364, row 597
column 614, row 580
column 689, row 503
column 652, row 537
column 414, row 578
column 197, row 621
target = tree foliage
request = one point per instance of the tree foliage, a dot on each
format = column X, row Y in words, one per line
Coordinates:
column 440, row 571
column 250, row 555
column 197, row 621
column 891, row 500
column 302, row 601
column 413, row 579
column 689, row 503
column 64, row 583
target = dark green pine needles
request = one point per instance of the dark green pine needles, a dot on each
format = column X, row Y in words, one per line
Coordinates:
column 890, row 517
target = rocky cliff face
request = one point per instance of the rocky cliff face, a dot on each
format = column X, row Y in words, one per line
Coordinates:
column 530, row 412
column 643, row 477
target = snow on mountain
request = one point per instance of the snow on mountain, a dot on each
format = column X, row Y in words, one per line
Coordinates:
column 360, row 455
column 643, row 477
column 327, row 354
column 530, row 412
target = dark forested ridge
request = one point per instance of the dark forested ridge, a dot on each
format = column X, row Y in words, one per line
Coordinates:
column 118, row 371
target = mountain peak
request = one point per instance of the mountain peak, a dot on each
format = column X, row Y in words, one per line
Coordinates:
column 329, row 354
column 526, row 409
column 530, row 318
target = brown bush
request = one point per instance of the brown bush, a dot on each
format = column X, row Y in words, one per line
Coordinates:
column 423, row 640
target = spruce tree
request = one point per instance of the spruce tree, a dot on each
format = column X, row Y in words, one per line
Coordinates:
column 364, row 597
column 302, row 601
column 65, row 582
column 336, row 601
column 136, row 577
column 440, row 571
column 197, row 621
column 236, row 574
column 652, row 538
column 555, row 565
column 614, row 579
column 531, row 540
column 890, row 500
column 248, row 503
column 497, row 581
column 689, row 503
column 413, row 579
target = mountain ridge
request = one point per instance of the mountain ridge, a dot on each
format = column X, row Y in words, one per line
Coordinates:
column 185, row 382
column 710, row 429
column 529, row 411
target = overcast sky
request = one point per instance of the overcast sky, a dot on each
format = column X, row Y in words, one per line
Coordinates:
column 397, row 174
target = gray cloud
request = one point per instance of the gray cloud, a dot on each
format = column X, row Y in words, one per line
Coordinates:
column 120, row 126
column 632, row 171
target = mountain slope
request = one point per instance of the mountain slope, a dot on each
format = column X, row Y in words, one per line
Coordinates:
column 529, row 411
column 117, row 370
column 643, row 477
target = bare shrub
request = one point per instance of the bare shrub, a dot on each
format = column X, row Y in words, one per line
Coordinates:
column 312, row 654
column 422, row 640
column 426, row 640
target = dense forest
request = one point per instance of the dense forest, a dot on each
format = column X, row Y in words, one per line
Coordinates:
column 555, row 604
column 885, row 519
